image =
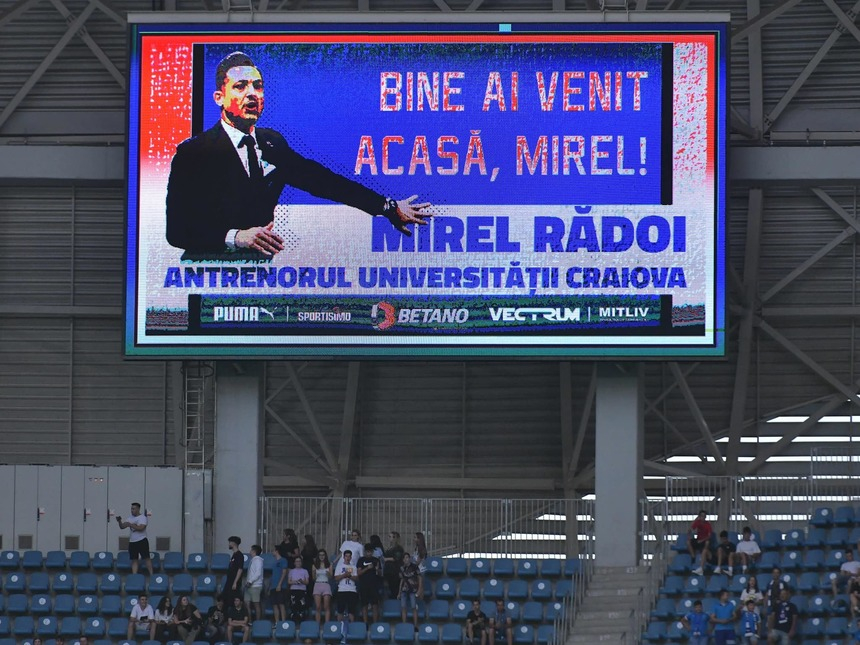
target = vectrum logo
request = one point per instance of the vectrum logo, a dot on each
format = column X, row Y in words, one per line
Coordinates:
column 383, row 315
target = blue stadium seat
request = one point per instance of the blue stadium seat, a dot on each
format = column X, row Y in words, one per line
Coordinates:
column 135, row 583
column 545, row 634
column 527, row 568
column 379, row 633
column 357, row 632
column 260, row 629
column 836, row 627
column 459, row 610
column 64, row 604
column 88, row 605
column 513, row 609
column 834, row 559
column 655, row 632
column 15, row 583
column 207, row 584
column 488, row 607
column 285, row 630
column 684, row 606
column 533, row 612
column 844, row 516
column 110, row 583
column 118, row 627
column 503, row 567
column 695, row 585
column 41, row 605
column 6, row 627
column 716, row 583
column 63, row 583
column 390, row 609
column 94, row 627
column 159, row 584
column 452, row 634
column 16, row 604
column 445, row 589
column 772, row 540
column 197, row 562
column 563, row 589
column 837, row 537
column 203, row 604
column 801, row 604
column 541, row 589
column 10, row 560
column 220, row 562
column 111, row 606
column 7, row 641
column 46, row 626
column 173, row 562
column 681, row 563
column 455, row 567
column 680, row 543
column 518, row 590
column 71, row 626
column 793, row 539
column 55, row 560
column 183, row 584
column 815, row 537
column 123, row 562
column 818, row 605
column 494, row 589
column 808, row 582
column 438, row 610
column 155, row 557
column 434, row 566
column 664, row 609
column 404, row 633
column 572, row 566
column 332, row 631
column 791, row 560
column 675, row 631
column 428, row 633
column 790, row 580
column 738, row 583
column 32, row 560
column 102, row 561
column 672, row 586
column 470, row 589
column 553, row 610
column 23, row 626
column 813, row 560
column 769, row 560
column 822, row 517
column 550, row 568
column 79, row 560
column 812, row 628
column 479, row 567
column 524, row 634
column 39, row 582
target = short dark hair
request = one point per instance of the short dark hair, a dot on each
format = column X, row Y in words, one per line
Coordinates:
column 724, row 534
column 256, row 548
column 235, row 539
column 746, row 530
column 347, row 551
column 136, row 504
column 698, row 603
column 235, row 59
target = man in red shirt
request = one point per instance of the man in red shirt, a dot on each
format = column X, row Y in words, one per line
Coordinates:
column 699, row 539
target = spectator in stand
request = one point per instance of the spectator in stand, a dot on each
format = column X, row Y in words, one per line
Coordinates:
column 723, row 617
column 411, row 588
column 699, row 540
column 854, row 596
column 142, row 619
column 378, row 552
column 163, row 618
column 850, row 568
column 368, row 583
column 322, row 586
column 216, row 622
column 309, row 552
column 725, row 553
column 233, row 581
column 774, row 589
column 393, row 559
column 289, row 546
column 501, row 625
column 750, row 624
column 476, row 625
column 138, row 544
column 187, row 620
column 354, row 545
column 345, row 576
column 748, row 551
column 298, row 577
column 277, row 592
column 782, row 623
column 696, row 622
column 237, row 620
column 83, row 640
column 420, row 552
column 254, row 582
column 752, row 593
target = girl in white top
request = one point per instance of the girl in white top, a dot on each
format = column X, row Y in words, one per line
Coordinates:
column 751, row 592
column 322, row 576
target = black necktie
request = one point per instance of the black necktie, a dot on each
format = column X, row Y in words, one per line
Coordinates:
column 254, row 168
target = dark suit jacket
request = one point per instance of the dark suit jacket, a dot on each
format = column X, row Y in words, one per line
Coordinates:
column 209, row 191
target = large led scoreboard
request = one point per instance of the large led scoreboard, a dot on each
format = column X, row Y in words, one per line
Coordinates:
column 575, row 174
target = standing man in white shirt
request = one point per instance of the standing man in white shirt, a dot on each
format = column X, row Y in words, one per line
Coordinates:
column 254, row 582
column 138, row 545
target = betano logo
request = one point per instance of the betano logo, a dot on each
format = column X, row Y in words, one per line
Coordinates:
column 240, row 314
column 386, row 312
column 383, row 315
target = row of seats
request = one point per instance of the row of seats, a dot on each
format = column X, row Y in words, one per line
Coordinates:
column 811, row 560
column 283, row 632
column 715, row 583
column 183, row 583
column 818, row 605
column 842, row 516
column 813, row 629
column 777, row 539
column 175, row 562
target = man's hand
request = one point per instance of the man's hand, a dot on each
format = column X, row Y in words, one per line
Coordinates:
column 260, row 238
column 407, row 213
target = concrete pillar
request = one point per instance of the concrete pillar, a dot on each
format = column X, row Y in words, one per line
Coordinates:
column 238, row 477
column 618, row 472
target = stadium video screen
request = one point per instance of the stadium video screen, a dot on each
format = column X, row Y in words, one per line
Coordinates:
column 540, row 190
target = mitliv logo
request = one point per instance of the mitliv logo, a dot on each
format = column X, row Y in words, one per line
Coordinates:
column 383, row 315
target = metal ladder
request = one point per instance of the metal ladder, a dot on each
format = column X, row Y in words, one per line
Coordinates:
column 195, row 415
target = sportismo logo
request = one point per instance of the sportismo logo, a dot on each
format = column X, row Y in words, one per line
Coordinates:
column 524, row 314
column 239, row 314
column 382, row 316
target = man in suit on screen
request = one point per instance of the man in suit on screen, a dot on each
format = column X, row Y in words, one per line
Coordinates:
column 225, row 183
